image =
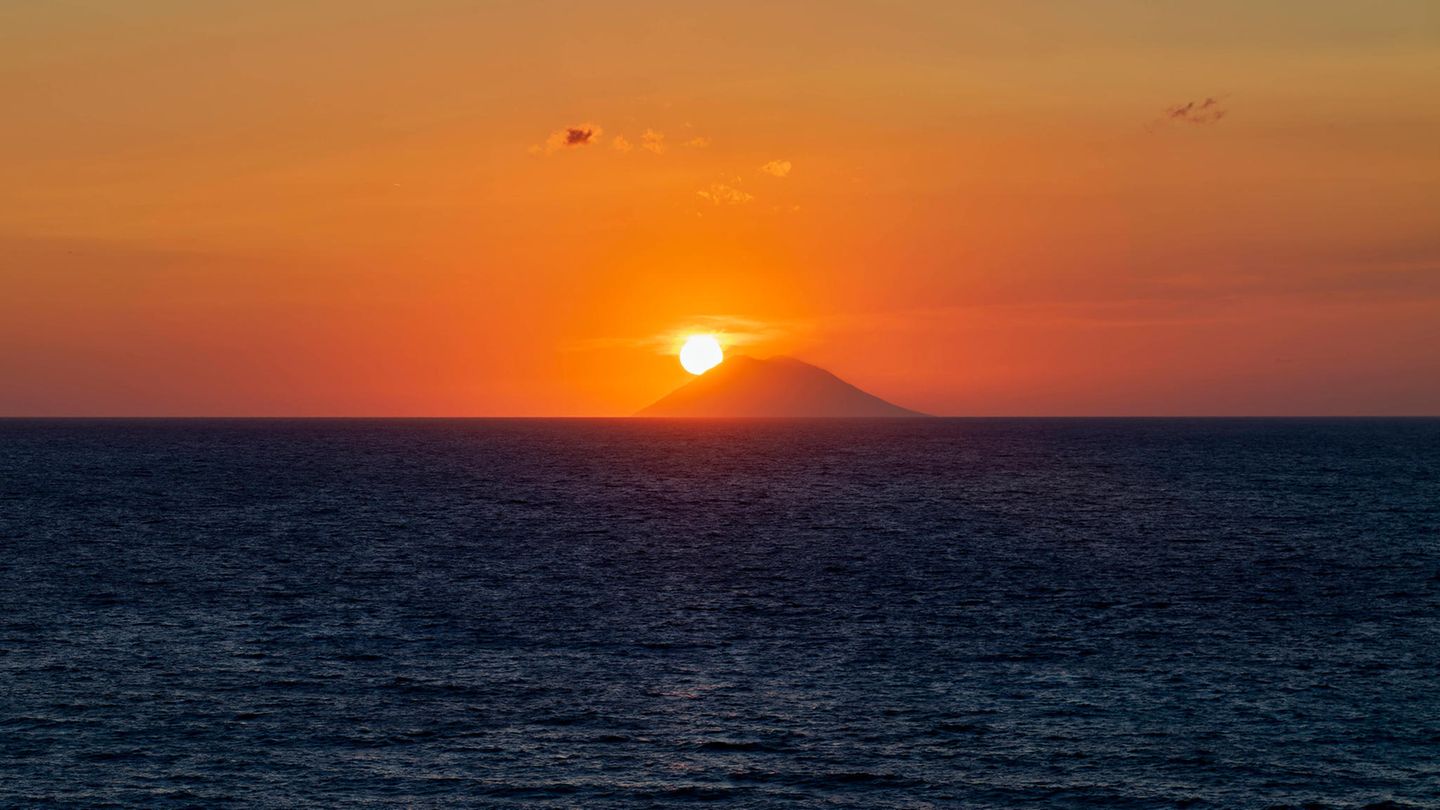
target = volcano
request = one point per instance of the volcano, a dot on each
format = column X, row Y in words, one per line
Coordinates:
column 779, row 387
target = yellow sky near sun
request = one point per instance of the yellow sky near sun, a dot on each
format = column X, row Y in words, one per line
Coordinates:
column 340, row 207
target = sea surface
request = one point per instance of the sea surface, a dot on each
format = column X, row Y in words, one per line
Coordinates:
column 634, row 613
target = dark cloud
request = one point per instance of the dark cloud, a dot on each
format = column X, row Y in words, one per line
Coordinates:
column 577, row 136
column 1196, row 112
column 567, row 138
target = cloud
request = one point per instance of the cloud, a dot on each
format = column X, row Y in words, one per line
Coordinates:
column 733, row 331
column 1208, row 111
column 569, row 138
column 722, row 194
column 586, row 134
column 778, row 168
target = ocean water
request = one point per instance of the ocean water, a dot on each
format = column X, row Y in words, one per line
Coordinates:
column 627, row 613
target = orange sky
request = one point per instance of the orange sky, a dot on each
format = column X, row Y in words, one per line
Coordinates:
column 351, row 208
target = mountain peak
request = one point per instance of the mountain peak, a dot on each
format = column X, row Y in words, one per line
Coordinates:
column 778, row 386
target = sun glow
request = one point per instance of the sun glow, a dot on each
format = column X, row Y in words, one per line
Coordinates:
column 701, row 353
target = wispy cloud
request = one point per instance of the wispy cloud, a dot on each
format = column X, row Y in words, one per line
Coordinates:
column 723, row 194
column 586, row 134
column 776, row 168
column 729, row 192
column 733, row 332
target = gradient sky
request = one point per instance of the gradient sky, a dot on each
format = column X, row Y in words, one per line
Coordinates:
column 363, row 208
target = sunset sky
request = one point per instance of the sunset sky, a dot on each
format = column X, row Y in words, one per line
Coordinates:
column 514, row 208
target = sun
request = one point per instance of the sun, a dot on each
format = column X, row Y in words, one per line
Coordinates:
column 701, row 353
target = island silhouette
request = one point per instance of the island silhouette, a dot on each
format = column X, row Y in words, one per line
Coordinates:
column 777, row 387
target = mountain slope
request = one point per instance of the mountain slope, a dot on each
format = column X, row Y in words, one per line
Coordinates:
column 780, row 386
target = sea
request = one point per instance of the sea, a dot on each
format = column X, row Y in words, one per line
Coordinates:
column 628, row 613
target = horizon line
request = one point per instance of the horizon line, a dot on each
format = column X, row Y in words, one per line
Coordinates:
column 614, row 417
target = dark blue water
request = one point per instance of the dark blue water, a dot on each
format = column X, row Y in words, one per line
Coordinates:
column 927, row 613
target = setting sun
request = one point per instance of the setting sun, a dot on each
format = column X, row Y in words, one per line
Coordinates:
column 701, row 353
